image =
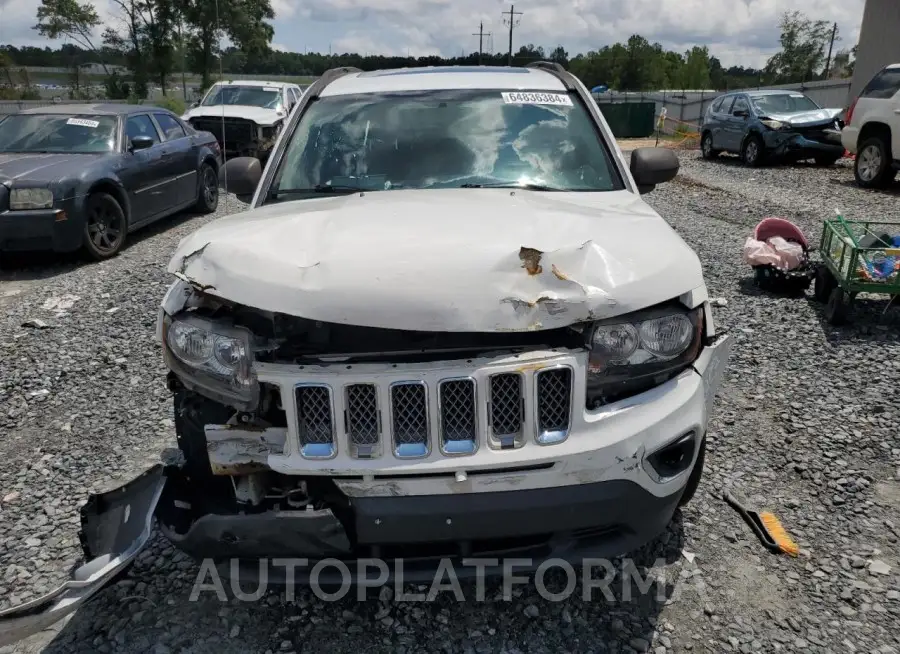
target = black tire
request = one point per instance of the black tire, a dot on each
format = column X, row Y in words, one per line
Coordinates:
column 825, row 283
column 826, row 160
column 207, row 189
column 873, row 167
column 693, row 482
column 706, row 148
column 753, row 151
column 837, row 311
column 105, row 227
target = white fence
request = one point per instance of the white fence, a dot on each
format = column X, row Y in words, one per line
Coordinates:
column 689, row 106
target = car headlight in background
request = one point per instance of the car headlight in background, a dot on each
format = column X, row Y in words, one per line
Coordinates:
column 213, row 359
column 774, row 124
column 634, row 353
column 21, row 199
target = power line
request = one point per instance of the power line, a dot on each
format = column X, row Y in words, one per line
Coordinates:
column 481, row 34
column 512, row 23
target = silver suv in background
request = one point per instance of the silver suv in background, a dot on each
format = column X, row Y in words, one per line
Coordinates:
column 872, row 132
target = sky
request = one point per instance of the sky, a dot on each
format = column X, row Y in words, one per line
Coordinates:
column 738, row 32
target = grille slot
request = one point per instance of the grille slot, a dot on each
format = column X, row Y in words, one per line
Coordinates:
column 363, row 420
column 409, row 419
column 506, row 412
column 459, row 421
column 237, row 131
column 554, row 404
column 315, row 421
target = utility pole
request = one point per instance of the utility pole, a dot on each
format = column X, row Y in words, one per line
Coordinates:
column 830, row 47
column 512, row 23
column 481, row 34
column 181, row 43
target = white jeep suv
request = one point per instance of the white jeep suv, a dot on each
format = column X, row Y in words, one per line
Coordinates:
column 244, row 115
column 448, row 328
column 872, row 129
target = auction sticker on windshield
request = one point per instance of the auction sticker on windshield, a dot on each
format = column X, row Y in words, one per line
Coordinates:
column 519, row 97
column 83, row 122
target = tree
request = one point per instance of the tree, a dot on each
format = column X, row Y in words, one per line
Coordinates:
column 804, row 48
column 242, row 21
column 560, row 56
column 71, row 19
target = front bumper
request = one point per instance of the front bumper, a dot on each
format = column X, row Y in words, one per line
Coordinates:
column 56, row 229
column 599, row 503
column 827, row 142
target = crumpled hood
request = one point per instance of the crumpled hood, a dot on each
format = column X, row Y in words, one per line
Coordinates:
column 42, row 167
column 259, row 115
column 444, row 260
column 806, row 117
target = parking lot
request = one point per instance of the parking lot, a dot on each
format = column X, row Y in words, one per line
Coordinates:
column 806, row 426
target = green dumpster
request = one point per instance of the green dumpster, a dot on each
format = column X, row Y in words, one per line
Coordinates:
column 629, row 120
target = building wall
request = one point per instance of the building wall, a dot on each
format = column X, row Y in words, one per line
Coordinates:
column 879, row 43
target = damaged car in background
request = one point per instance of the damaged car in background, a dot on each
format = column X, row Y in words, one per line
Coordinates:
column 448, row 326
column 768, row 125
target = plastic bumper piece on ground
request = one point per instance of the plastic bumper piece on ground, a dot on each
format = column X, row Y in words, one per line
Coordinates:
column 115, row 527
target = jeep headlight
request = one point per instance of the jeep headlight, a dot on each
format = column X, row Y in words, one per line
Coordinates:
column 212, row 358
column 21, row 199
column 634, row 353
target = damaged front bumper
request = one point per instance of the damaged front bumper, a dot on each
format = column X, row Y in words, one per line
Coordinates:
column 115, row 527
column 826, row 141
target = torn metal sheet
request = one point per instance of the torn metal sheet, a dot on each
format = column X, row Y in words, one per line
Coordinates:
column 486, row 260
column 115, row 527
column 241, row 450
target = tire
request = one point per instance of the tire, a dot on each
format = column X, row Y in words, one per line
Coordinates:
column 873, row 166
column 693, row 482
column 825, row 283
column 837, row 311
column 207, row 189
column 826, row 160
column 706, row 147
column 753, row 151
column 105, row 227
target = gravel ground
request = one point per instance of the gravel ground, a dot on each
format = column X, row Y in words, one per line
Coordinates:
column 805, row 426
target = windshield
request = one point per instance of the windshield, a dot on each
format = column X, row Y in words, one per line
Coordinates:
column 783, row 103
column 445, row 139
column 57, row 133
column 268, row 97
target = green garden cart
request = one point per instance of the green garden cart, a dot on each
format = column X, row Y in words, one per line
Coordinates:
column 857, row 257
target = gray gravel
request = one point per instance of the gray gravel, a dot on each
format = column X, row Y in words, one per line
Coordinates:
column 806, row 427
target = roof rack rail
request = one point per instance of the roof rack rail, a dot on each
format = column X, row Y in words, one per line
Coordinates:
column 328, row 77
column 554, row 69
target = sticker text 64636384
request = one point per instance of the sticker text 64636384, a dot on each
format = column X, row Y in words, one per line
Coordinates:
column 531, row 97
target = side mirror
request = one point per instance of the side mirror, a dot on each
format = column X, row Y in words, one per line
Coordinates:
column 241, row 175
column 141, row 143
column 652, row 166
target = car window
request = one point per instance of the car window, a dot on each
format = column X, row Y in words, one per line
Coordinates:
column 56, row 133
column 141, row 126
column 783, row 103
column 268, row 97
column 884, row 85
column 717, row 105
column 727, row 103
column 740, row 104
column 170, row 127
column 444, row 139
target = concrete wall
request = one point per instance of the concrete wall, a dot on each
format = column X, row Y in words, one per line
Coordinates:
column 879, row 42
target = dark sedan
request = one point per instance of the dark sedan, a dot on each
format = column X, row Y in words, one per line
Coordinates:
column 84, row 176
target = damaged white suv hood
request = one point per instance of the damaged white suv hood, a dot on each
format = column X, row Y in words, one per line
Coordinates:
column 445, row 260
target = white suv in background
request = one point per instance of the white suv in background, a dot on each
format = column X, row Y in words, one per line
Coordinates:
column 872, row 129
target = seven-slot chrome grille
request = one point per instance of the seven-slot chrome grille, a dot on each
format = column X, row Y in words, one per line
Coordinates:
column 395, row 417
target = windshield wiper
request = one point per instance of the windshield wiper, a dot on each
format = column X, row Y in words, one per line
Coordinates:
column 529, row 187
column 319, row 188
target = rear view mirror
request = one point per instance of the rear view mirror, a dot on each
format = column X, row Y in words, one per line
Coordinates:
column 241, row 175
column 141, row 143
column 652, row 166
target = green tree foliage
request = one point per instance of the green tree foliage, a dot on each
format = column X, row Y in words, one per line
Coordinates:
column 804, row 49
column 69, row 18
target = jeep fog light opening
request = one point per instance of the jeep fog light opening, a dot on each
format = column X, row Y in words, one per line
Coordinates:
column 632, row 354
column 214, row 359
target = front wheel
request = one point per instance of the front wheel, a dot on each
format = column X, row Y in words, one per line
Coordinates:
column 825, row 283
column 105, row 226
column 753, row 151
column 837, row 311
column 208, row 189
